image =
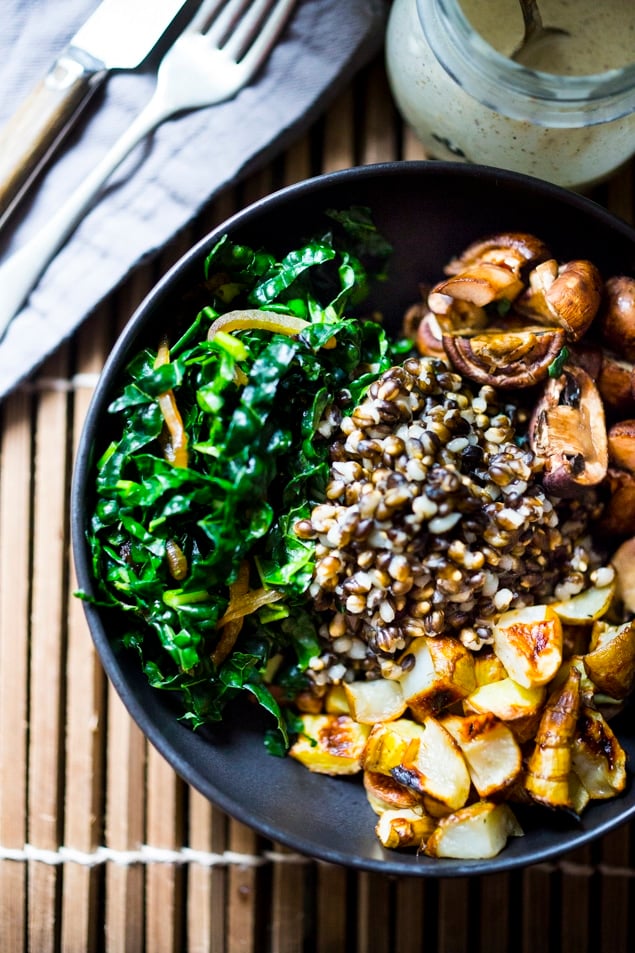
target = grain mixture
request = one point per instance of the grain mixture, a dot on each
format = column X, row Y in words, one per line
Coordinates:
column 435, row 522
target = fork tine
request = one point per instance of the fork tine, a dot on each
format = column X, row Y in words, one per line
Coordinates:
column 221, row 28
column 265, row 21
column 204, row 14
column 243, row 32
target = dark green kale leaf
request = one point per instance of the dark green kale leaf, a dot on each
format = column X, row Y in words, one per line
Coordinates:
column 251, row 403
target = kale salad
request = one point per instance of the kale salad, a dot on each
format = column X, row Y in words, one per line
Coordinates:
column 220, row 449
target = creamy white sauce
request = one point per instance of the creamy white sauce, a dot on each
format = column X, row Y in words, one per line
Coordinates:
column 601, row 33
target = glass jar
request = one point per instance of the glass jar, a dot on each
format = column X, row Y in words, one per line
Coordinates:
column 467, row 101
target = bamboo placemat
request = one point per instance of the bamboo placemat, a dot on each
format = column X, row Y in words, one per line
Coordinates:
column 102, row 846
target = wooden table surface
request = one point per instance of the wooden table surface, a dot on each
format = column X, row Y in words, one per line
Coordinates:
column 102, row 846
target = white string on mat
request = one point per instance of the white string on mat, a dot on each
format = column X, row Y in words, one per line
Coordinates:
column 146, row 854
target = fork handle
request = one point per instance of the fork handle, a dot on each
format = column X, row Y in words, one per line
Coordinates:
column 20, row 272
column 34, row 131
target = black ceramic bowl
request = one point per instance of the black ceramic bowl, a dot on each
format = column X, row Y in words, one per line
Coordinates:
column 429, row 211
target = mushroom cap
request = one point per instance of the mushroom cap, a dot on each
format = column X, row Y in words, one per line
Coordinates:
column 514, row 250
column 618, row 516
column 621, row 444
column 568, row 295
column 616, row 383
column 617, row 318
column 504, row 358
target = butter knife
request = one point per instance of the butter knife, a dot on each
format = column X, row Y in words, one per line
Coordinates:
column 119, row 35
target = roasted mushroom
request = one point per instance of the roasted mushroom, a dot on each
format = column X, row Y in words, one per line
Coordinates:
column 505, row 359
column 568, row 295
column 513, row 250
column 621, row 444
column 568, row 431
column 618, row 516
column 482, row 283
column 421, row 326
column 455, row 312
column 623, row 561
column 617, row 318
column 429, row 338
column 616, row 384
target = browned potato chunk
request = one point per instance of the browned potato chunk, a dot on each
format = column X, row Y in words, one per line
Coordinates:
column 611, row 663
column 587, row 606
column 407, row 827
column 529, row 644
column 386, row 794
column 330, row 744
column 493, row 755
column 375, row 701
column 597, row 756
column 518, row 707
column 476, row 832
column 387, row 744
column 423, row 757
column 443, row 672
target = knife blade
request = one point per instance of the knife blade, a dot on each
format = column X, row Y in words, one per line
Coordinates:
column 119, row 35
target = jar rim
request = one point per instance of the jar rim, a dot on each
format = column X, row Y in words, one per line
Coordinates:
column 515, row 90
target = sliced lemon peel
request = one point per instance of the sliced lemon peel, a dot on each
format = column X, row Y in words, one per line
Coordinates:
column 259, row 320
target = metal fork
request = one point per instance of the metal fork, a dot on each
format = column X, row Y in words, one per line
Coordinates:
column 218, row 54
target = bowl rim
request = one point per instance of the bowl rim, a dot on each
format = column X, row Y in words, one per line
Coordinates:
column 391, row 863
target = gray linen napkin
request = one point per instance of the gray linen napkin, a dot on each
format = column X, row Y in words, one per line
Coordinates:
column 171, row 176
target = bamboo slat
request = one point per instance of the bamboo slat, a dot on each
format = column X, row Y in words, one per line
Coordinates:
column 15, row 506
column 244, row 883
column 206, row 885
column 125, row 794
column 455, row 923
column 48, row 635
column 84, row 721
column 332, row 903
column 373, row 914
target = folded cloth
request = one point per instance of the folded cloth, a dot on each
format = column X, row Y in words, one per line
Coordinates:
column 166, row 182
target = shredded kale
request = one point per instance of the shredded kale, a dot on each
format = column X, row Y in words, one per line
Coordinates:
column 557, row 365
column 250, row 403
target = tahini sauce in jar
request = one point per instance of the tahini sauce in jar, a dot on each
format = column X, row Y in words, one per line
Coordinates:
column 567, row 116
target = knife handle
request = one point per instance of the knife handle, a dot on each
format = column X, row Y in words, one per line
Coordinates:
column 32, row 134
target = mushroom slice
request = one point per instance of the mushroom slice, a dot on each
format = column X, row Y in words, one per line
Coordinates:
column 514, row 250
column 617, row 319
column 455, row 313
column 429, row 337
column 621, row 441
column 568, row 295
column 568, row 431
column 519, row 358
column 482, row 283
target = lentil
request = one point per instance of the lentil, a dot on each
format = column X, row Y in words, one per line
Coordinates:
column 436, row 522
